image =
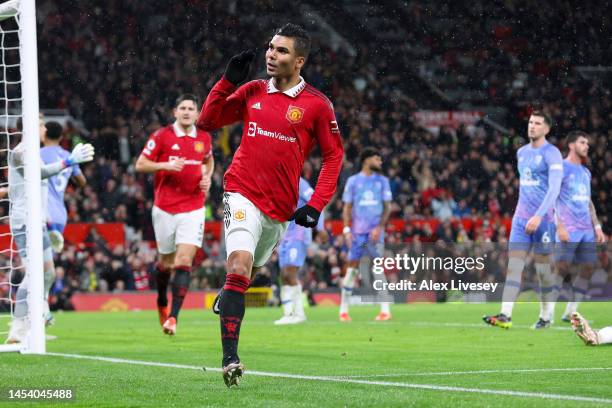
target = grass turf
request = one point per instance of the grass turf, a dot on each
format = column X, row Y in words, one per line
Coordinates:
column 421, row 343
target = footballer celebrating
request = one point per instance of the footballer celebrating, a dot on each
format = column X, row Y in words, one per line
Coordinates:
column 283, row 118
column 180, row 155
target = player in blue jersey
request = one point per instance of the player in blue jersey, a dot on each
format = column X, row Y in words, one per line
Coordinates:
column 292, row 253
column 540, row 167
column 366, row 198
column 56, row 210
column 577, row 226
column 18, row 218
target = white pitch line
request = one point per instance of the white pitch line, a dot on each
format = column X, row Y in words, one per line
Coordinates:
column 445, row 373
column 482, row 325
column 350, row 381
column 479, row 325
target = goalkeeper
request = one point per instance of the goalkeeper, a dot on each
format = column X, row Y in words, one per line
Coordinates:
column 16, row 191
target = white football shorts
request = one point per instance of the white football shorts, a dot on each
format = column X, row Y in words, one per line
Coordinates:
column 248, row 229
column 173, row 229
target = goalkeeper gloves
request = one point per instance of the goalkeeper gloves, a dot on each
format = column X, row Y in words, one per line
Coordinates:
column 306, row 216
column 80, row 154
column 239, row 66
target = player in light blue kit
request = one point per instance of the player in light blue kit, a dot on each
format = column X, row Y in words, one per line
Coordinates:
column 18, row 219
column 577, row 226
column 292, row 253
column 366, row 198
column 56, row 210
column 540, row 167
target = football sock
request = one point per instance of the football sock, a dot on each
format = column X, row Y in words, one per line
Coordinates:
column 298, row 300
column 231, row 307
column 49, row 278
column 286, row 296
column 162, row 277
column 579, row 289
column 348, row 283
column 180, row 285
column 21, row 299
column 512, row 286
column 548, row 290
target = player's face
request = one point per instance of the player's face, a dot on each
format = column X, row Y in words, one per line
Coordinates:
column 186, row 113
column 581, row 147
column 537, row 128
column 375, row 163
column 281, row 58
column 42, row 130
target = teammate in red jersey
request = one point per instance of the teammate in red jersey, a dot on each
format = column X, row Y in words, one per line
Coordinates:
column 284, row 118
column 180, row 155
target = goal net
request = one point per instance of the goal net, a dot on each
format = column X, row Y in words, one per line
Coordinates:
column 19, row 125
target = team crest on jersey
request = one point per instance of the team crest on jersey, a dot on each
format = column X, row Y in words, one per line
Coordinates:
column 294, row 114
column 199, row 147
column 240, row 215
column 538, row 159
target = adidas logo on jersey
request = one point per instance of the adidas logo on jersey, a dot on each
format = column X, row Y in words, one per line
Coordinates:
column 175, row 147
column 256, row 106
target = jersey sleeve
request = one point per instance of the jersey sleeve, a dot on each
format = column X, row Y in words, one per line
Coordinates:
column 328, row 137
column 555, row 176
column 224, row 105
column 387, row 195
column 208, row 154
column 152, row 149
column 347, row 195
column 554, row 159
column 16, row 155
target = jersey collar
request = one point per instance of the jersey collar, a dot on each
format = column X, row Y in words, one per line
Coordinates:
column 178, row 131
column 292, row 92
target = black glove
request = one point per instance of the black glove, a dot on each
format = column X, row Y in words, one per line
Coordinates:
column 239, row 66
column 306, row 216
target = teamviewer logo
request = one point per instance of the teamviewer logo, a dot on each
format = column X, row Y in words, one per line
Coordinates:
column 252, row 129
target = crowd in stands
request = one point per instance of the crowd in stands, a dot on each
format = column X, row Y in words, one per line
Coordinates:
column 118, row 65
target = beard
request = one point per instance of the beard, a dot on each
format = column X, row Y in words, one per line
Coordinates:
column 376, row 169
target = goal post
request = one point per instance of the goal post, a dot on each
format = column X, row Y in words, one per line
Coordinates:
column 20, row 39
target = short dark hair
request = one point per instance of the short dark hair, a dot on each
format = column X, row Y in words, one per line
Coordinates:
column 185, row 97
column 367, row 153
column 574, row 135
column 54, row 130
column 542, row 114
column 301, row 38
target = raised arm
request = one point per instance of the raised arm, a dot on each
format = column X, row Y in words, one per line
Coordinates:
column 81, row 153
column 224, row 105
column 225, row 102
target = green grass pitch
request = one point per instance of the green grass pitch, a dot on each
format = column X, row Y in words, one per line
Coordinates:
column 428, row 355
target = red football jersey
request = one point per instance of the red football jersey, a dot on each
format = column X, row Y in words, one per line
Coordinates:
column 178, row 192
column 280, row 130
